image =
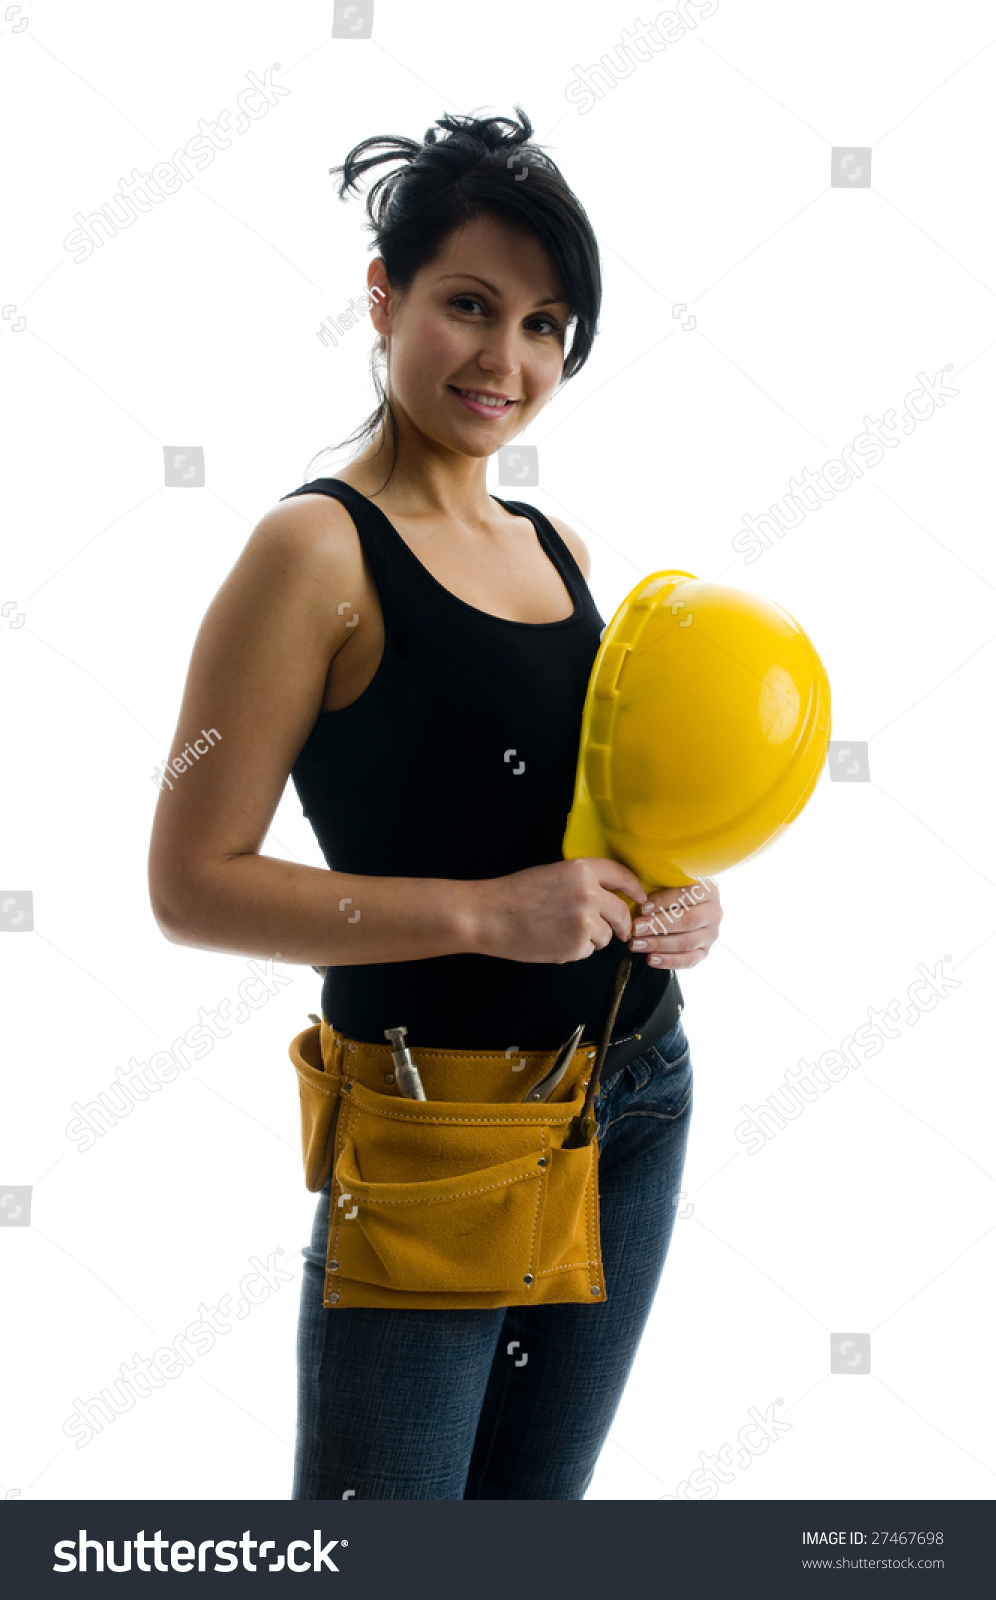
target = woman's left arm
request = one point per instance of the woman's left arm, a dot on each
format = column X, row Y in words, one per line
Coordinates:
column 678, row 927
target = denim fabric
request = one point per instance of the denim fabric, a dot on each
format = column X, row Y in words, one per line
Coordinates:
column 509, row 1403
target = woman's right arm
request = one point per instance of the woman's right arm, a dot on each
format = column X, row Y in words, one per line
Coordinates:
column 256, row 681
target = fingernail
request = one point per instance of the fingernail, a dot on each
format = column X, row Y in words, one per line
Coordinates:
column 639, row 944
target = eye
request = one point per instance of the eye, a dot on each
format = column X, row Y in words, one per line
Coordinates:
column 474, row 300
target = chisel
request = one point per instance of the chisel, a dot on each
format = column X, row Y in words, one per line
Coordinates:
column 405, row 1071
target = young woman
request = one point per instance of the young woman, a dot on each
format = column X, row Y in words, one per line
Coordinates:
column 415, row 653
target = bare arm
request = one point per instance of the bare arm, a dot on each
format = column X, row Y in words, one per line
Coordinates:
column 256, row 680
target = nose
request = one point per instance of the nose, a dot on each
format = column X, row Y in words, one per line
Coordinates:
column 498, row 353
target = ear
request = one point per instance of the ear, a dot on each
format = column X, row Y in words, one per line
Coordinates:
column 379, row 293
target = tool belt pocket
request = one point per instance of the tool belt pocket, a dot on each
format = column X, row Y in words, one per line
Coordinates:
column 450, row 1198
column 319, row 1095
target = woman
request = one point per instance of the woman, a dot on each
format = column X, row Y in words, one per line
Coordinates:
column 415, row 652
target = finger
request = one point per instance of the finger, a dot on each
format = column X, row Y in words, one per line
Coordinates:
column 615, row 875
column 672, row 909
column 662, row 920
column 616, row 914
column 667, row 944
column 677, row 962
column 689, row 894
column 670, row 956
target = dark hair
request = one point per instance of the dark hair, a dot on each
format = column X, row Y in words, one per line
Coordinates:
column 485, row 165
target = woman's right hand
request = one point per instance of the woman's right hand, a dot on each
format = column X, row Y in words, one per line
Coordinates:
column 559, row 912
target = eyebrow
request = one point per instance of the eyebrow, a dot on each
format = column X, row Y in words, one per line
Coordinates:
column 495, row 290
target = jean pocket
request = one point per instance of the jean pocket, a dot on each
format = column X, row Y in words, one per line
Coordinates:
column 671, row 1051
column 660, row 1080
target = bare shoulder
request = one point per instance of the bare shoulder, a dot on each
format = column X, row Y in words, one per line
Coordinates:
column 301, row 555
column 309, row 531
column 574, row 543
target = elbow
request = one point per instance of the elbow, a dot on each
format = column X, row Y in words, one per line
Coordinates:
column 167, row 920
column 172, row 902
column 186, row 903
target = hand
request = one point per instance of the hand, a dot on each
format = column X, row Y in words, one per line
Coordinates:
column 677, row 927
column 559, row 912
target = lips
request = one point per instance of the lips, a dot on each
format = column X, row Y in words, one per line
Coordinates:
column 477, row 406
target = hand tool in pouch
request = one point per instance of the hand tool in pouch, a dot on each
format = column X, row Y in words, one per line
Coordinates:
column 405, row 1070
column 565, row 1055
column 583, row 1127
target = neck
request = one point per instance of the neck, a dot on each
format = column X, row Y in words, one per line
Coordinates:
column 427, row 481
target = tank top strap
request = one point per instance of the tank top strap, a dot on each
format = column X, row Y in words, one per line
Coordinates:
column 555, row 546
column 386, row 553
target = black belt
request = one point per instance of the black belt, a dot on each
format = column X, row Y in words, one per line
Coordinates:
column 660, row 1021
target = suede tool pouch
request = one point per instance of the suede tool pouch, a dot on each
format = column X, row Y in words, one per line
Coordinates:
column 464, row 1199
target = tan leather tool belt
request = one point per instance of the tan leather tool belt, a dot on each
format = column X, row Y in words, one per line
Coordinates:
column 464, row 1199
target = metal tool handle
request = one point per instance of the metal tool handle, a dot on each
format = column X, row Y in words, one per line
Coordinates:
column 405, row 1071
column 581, row 1130
column 565, row 1055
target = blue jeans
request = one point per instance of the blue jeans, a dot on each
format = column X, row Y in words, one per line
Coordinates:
column 513, row 1402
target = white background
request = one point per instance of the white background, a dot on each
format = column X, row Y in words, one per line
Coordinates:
column 706, row 174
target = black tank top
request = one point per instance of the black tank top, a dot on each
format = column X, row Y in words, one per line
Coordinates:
column 458, row 761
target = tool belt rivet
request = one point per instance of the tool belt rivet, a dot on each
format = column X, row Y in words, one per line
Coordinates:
column 389, row 1077
column 333, row 1297
column 541, row 1162
column 594, row 1289
column 333, row 1266
column 528, row 1278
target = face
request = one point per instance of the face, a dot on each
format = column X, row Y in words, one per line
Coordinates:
column 486, row 315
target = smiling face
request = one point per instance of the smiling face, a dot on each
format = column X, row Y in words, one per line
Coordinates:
column 485, row 316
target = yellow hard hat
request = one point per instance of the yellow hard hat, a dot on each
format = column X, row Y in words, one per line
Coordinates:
column 705, row 727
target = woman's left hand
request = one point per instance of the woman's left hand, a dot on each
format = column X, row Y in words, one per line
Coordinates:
column 677, row 927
